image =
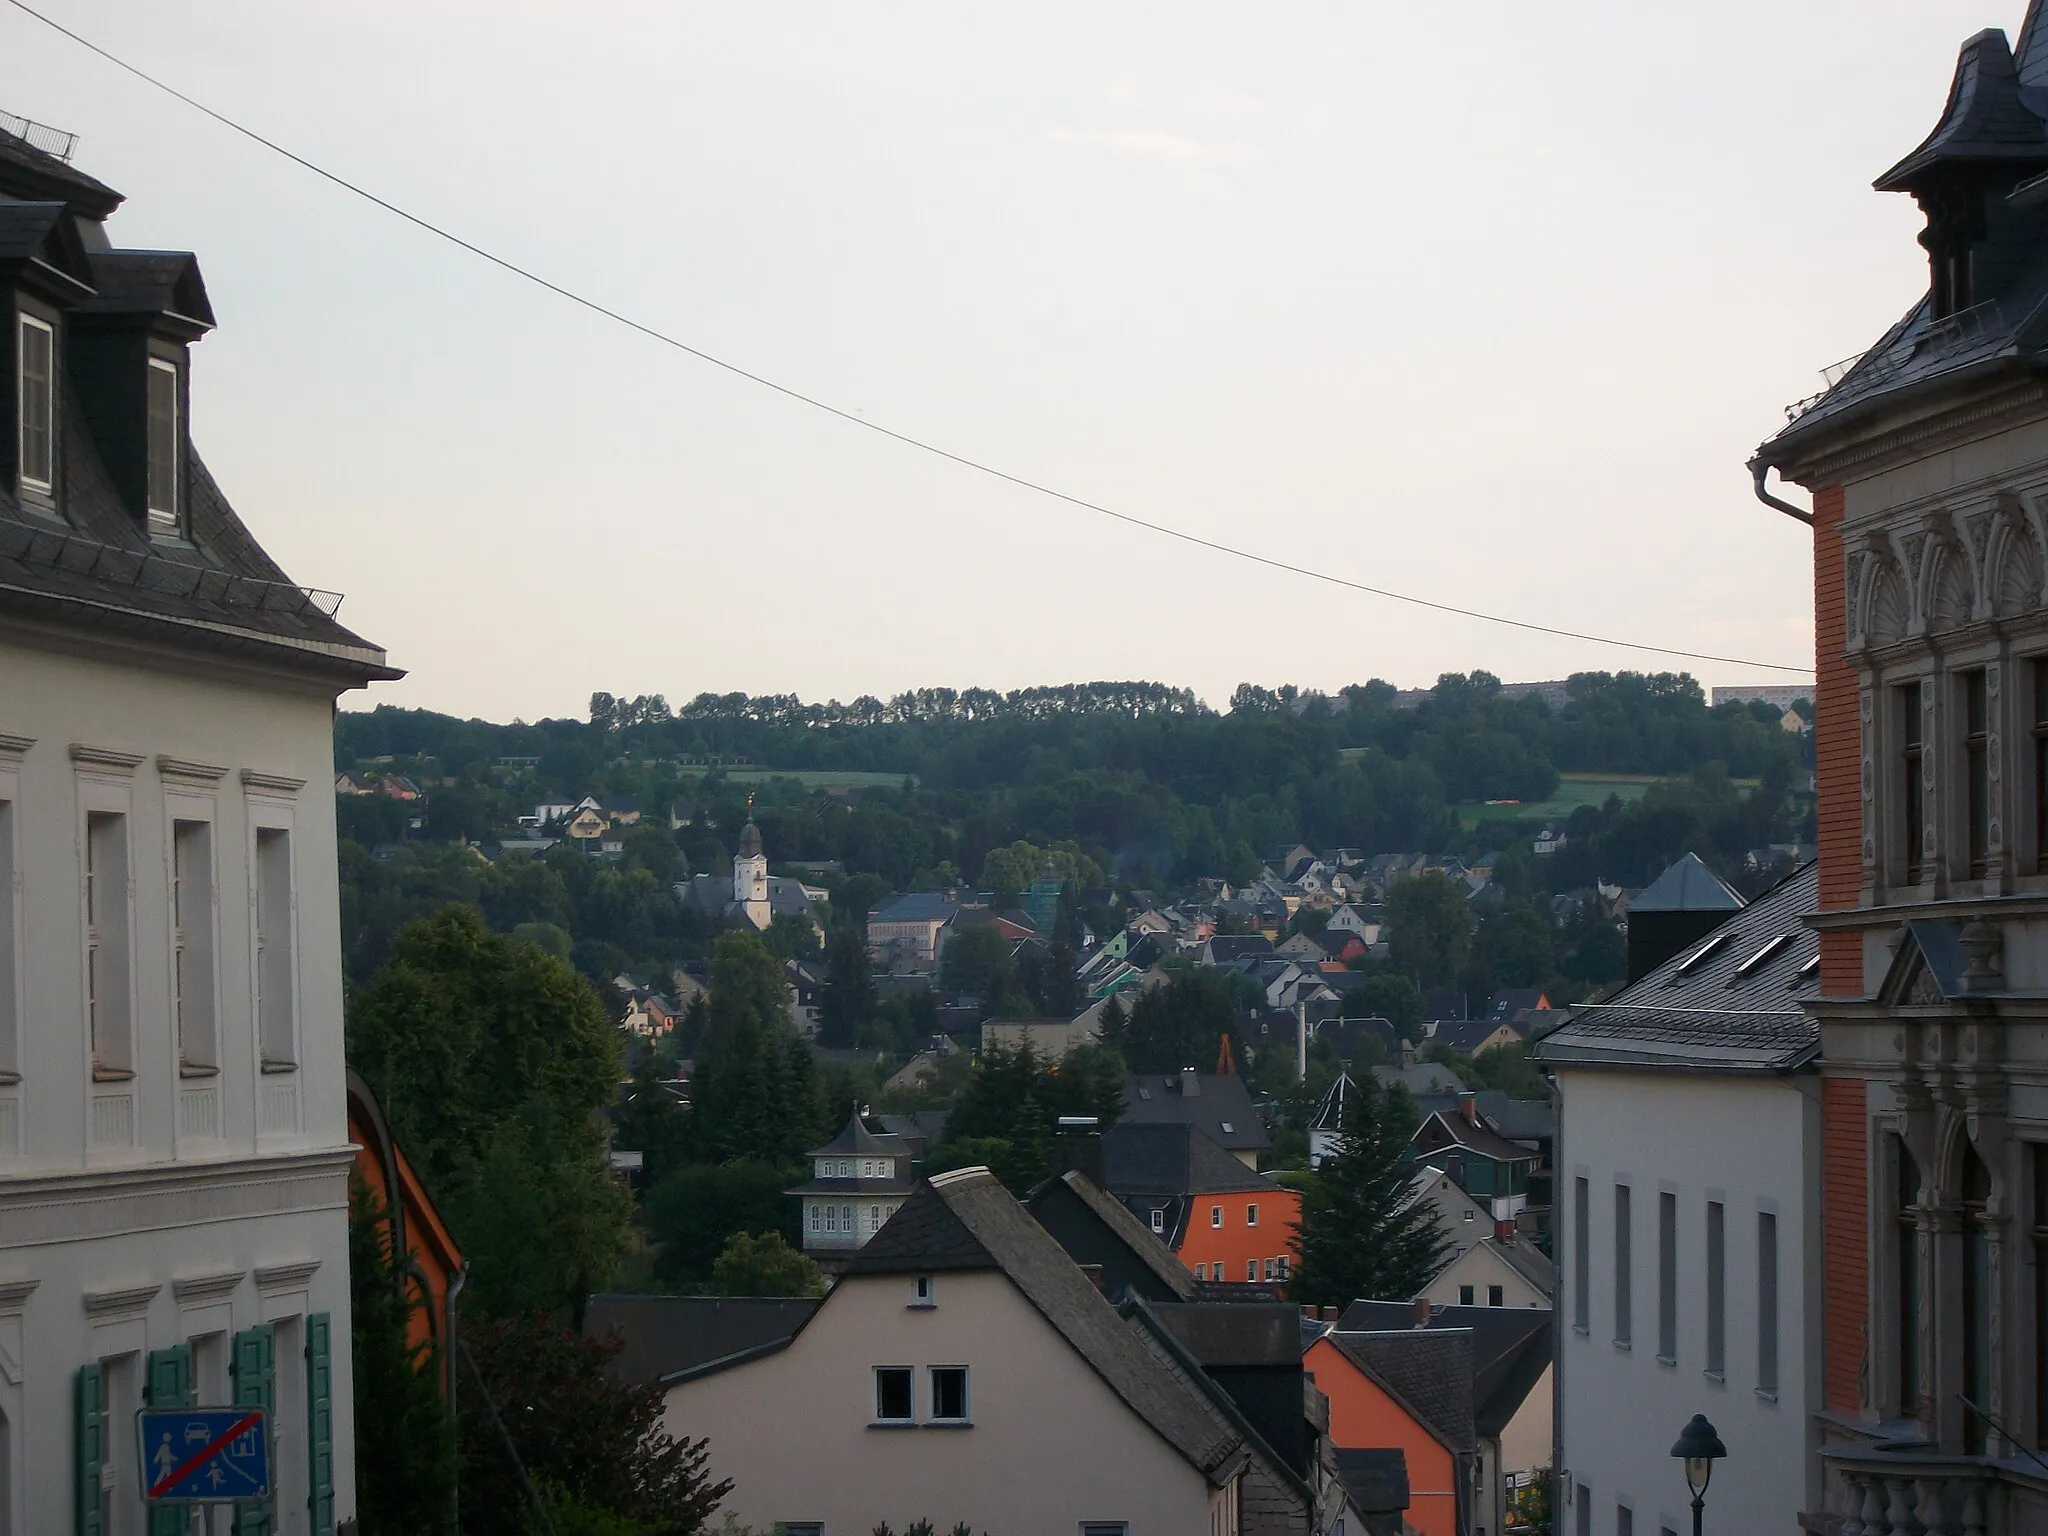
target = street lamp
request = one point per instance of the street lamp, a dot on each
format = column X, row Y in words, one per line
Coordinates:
column 1699, row 1448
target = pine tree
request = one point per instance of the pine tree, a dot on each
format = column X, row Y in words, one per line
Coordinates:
column 848, row 999
column 1362, row 1237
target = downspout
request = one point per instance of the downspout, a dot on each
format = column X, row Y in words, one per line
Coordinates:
column 1760, row 469
column 454, row 1384
column 1557, row 1323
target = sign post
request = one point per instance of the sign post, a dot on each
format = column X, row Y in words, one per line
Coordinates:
column 204, row 1455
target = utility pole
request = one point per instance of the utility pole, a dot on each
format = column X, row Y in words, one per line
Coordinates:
column 1300, row 1040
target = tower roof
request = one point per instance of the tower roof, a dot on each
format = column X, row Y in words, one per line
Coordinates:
column 750, row 841
column 1985, row 119
column 1687, row 886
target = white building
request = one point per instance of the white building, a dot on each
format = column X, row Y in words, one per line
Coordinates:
column 1688, row 1230
column 174, row 1156
column 858, row 1179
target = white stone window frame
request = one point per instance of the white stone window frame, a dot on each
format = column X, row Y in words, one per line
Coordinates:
column 191, row 793
column 270, row 803
column 105, row 785
column 13, row 935
column 2022, row 829
column 38, row 492
column 1952, row 716
column 165, row 522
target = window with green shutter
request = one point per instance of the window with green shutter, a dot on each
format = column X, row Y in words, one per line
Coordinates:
column 320, row 1422
column 89, row 1447
column 169, row 1385
column 255, row 1370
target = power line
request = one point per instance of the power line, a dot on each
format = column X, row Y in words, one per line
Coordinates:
column 851, row 417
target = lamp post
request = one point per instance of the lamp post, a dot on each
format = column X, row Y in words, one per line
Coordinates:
column 1699, row 1448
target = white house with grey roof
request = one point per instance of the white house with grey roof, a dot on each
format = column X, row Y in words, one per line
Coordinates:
column 1688, row 1226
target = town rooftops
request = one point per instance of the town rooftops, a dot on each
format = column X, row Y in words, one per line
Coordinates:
column 667, row 1337
column 1731, row 1002
column 1116, row 1221
column 917, row 907
column 1510, row 1349
column 1988, row 117
column 856, row 1140
column 1154, row 1159
column 1472, row 1136
column 966, row 1220
column 1687, row 886
column 89, row 559
column 1220, row 1105
column 1428, row 1371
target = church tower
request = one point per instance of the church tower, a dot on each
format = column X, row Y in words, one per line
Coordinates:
column 750, row 878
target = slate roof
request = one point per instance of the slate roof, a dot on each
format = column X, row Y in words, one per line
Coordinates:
column 1730, row 1003
column 1139, row 1239
column 918, row 907
column 1428, row 1371
column 1375, row 1480
column 1226, row 947
column 856, row 1140
column 1510, row 1349
column 1241, row 1334
column 1687, row 886
column 1478, row 1139
column 663, row 1337
column 967, row 1220
column 1466, row 1035
column 1222, row 1107
column 1329, row 1115
column 93, row 563
column 1985, row 118
column 1522, row 1120
column 1140, row 1159
column 750, row 841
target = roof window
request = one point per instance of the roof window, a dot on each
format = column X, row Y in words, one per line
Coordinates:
column 1763, row 956
column 1807, row 971
column 1700, row 956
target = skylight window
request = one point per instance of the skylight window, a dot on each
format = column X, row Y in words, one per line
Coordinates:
column 1229, row 1129
column 1700, row 956
column 1807, row 971
column 1763, row 956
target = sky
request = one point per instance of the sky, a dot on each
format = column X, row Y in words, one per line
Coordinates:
column 1483, row 302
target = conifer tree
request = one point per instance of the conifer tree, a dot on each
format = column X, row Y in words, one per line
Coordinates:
column 1361, row 1235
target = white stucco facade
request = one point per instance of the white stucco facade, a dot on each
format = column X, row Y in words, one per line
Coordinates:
column 1046, row 1446
column 173, row 1146
column 1751, row 1146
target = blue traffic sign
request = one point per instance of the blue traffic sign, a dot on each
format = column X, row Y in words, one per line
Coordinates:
column 204, row 1455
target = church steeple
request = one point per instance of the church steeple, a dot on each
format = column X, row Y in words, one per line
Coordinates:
column 750, row 874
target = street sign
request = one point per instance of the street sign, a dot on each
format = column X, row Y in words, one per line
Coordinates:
column 204, row 1455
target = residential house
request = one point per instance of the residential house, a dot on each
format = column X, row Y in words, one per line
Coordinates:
column 923, row 1384
column 1302, row 946
column 1496, row 1271
column 904, row 934
column 1925, row 463
column 348, row 784
column 1228, row 948
column 662, row 1338
column 586, row 825
column 1098, row 1232
column 1468, row 1037
column 649, row 1015
column 174, row 1134
column 1218, row 1105
column 1419, row 1077
column 1530, row 1124
column 1225, row 1222
column 1464, row 1221
column 1487, row 1166
column 1690, row 1235
column 1511, row 1391
column 409, row 1225
column 858, row 1180
column 1407, row 1389
column 1047, row 1037
column 623, row 810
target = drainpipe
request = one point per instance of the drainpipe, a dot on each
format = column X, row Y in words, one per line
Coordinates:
column 1760, row 469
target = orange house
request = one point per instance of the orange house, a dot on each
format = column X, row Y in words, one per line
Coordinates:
column 433, row 1269
column 1412, row 1390
column 1225, row 1222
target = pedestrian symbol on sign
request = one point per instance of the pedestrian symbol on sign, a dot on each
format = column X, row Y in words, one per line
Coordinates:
column 204, row 1455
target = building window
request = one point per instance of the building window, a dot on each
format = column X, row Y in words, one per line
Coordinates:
column 1624, row 1302
column 874, row 1220
column 1582, row 1499
column 1215, row 1215
column 106, row 941
column 1582, row 1254
column 1283, row 1265
column 1201, row 1271
column 922, row 1292
column 36, row 390
column 1469, row 1213
column 1667, row 1277
column 817, row 1218
column 1251, row 1215
column 276, row 978
column 1911, row 1309
column 1912, row 779
column 10, row 1061
column 2037, row 1157
column 164, row 437
column 892, row 1394
column 1495, row 1296
column 1104, row 1528
column 1767, row 1302
column 1624, row 1521
column 1270, row 1270
column 1464, row 1295
column 1158, row 1219
column 2041, row 766
column 192, row 992
column 1717, row 1289
column 949, row 1394
column 1977, row 1295
column 1977, row 769
column 846, row 1219
column 1251, row 1270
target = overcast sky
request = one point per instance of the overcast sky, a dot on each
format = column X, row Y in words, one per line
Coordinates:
column 1483, row 302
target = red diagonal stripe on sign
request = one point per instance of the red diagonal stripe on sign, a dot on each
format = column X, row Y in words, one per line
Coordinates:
column 176, row 1475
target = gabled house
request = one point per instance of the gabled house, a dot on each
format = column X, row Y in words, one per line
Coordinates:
column 905, row 934
column 1496, row 1271
column 965, row 1366
column 1407, row 1389
column 1228, row 948
column 1218, row 1105
column 1468, row 1037
column 1487, row 1166
column 858, row 1180
column 1226, row 1223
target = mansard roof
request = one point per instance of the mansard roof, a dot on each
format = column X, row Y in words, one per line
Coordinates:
column 1985, row 120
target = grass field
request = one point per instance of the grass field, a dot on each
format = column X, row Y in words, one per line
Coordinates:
column 820, row 779
column 1573, row 791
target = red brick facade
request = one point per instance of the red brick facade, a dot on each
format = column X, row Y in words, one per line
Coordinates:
column 1837, row 750
column 1844, row 1204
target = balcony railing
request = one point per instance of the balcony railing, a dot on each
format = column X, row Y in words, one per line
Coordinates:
column 1906, row 1489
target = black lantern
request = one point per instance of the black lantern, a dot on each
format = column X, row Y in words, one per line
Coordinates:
column 1699, row 1448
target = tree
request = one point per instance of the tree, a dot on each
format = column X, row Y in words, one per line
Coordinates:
column 978, row 959
column 692, row 1211
column 1361, row 1236
column 756, row 1090
column 1007, row 1113
column 848, row 999
column 1387, row 995
column 1429, row 928
column 405, row 1439
column 1511, row 949
column 791, row 936
column 492, row 1060
column 764, row 1266
column 1180, row 1024
column 577, row 1431
column 1049, row 981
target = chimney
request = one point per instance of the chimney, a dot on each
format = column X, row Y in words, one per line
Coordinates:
column 1308, row 1313
column 1190, row 1083
column 1503, row 1231
column 1409, row 1056
column 1468, row 1106
column 1092, row 1273
column 1422, row 1311
column 1330, row 1314
column 1079, row 1147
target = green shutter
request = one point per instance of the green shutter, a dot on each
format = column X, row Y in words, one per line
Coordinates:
column 90, row 1447
column 320, row 1423
column 255, row 1369
column 169, row 1385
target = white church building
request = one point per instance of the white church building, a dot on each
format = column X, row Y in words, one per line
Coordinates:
column 754, row 898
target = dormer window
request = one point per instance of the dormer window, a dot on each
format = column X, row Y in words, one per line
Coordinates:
column 35, row 391
column 164, row 501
